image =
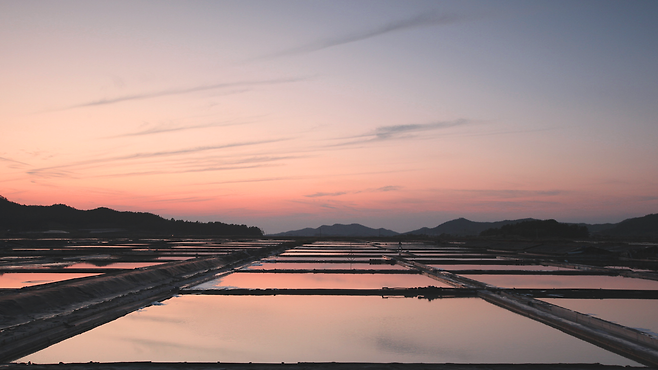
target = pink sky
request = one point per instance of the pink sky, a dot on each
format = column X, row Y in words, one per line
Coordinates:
column 285, row 115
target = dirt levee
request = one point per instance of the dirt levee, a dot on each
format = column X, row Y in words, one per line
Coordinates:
column 26, row 304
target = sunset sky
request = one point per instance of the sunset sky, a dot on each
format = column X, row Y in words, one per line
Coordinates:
column 293, row 114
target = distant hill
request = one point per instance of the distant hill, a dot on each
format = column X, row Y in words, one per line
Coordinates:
column 339, row 230
column 463, row 227
column 646, row 226
column 539, row 229
column 17, row 218
column 596, row 228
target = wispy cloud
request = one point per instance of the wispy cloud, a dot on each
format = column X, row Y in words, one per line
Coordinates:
column 184, row 170
column 184, row 90
column 3, row 159
column 327, row 194
column 59, row 171
column 370, row 190
column 265, row 179
column 422, row 20
column 512, row 193
column 162, row 128
column 396, row 132
column 186, row 200
column 389, row 188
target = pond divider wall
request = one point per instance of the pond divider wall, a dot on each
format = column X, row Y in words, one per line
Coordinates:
column 36, row 317
column 625, row 341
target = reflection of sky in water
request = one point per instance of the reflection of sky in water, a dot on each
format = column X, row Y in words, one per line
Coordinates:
column 14, row 280
column 310, row 266
column 501, row 267
column 640, row 314
column 114, row 265
column 575, row 282
column 310, row 281
column 324, row 329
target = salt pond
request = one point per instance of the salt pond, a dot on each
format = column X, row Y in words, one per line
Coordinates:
column 324, row 329
column 316, row 281
column 641, row 314
column 15, row 280
column 570, row 282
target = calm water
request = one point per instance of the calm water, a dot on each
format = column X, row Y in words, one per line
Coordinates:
column 309, row 266
column 501, row 267
column 575, row 282
column 352, row 328
column 15, row 280
column 345, row 329
column 641, row 314
column 311, row 281
column 114, row 265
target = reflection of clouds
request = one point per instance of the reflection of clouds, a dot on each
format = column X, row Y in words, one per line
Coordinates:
column 174, row 346
column 407, row 346
column 151, row 318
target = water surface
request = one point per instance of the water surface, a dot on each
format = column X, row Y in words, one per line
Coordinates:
column 565, row 282
column 641, row 314
column 315, row 281
column 15, row 280
column 325, row 329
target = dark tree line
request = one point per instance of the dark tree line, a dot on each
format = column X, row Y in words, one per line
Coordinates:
column 15, row 217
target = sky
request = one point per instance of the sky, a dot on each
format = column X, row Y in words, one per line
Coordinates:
column 292, row 114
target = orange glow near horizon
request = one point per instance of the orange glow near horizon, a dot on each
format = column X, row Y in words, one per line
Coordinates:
column 287, row 116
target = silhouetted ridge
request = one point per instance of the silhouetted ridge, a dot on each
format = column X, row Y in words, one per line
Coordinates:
column 539, row 229
column 462, row 227
column 646, row 226
column 339, row 230
column 15, row 217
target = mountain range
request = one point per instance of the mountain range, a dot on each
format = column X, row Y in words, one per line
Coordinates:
column 339, row 230
column 17, row 218
column 640, row 227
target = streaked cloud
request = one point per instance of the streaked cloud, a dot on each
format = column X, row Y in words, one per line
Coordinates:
column 396, row 132
column 265, row 179
column 339, row 193
column 184, row 170
column 426, row 19
column 59, row 170
column 165, row 127
column 513, row 193
column 327, row 194
column 181, row 91
column 3, row 159
column 389, row 188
